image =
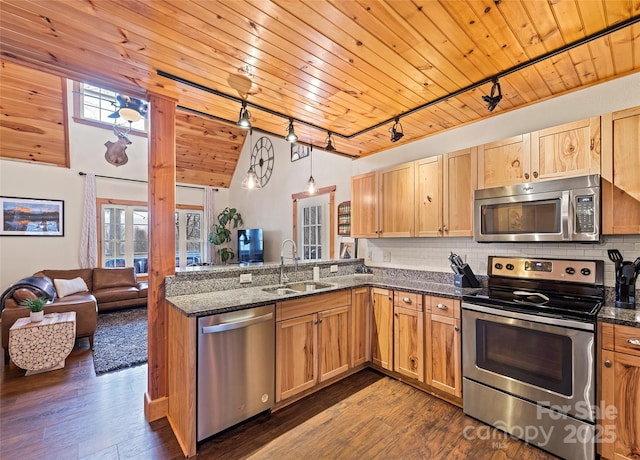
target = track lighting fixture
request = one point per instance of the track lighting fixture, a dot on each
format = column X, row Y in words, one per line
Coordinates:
column 396, row 130
column 291, row 135
column 244, row 121
column 496, row 96
column 130, row 108
column 311, row 183
column 330, row 147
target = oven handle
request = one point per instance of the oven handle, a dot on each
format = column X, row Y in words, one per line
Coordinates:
column 551, row 320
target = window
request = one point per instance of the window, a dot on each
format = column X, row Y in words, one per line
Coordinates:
column 312, row 232
column 125, row 236
column 93, row 105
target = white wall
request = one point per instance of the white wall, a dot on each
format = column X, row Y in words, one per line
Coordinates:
column 272, row 206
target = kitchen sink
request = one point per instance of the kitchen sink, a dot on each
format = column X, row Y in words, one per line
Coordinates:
column 293, row 288
column 279, row 290
column 306, row 286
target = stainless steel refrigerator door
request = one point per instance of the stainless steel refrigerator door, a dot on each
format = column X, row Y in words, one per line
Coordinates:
column 236, row 368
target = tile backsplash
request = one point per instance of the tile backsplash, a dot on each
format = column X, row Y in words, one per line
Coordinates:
column 431, row 254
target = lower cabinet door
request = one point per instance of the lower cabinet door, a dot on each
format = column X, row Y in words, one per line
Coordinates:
column 333, row 345
column 382, row 328
column 443, row 354
column 408, row 339
column 296, row 350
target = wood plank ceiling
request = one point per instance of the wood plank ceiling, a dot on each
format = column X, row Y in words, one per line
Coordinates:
column 342, row 65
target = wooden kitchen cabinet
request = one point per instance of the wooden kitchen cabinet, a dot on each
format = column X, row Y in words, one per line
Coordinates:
column 504, row 162
column 312, row 341
column 620, row 388
column 360, row 326
column 382, row 328
column 620, row 167
column 571, row 149
column 408, row 335
column 443, row 363
column 364, row 205
column 444, row 194
column 382, row 203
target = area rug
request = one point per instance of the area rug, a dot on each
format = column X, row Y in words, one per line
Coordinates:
column 120, row 340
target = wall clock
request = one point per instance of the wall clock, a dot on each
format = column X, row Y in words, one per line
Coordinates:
column 262, row 159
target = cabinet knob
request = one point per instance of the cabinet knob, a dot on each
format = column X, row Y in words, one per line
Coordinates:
column 446, row 229
column 535, row 174
column 456, row 328
column 526, row 175
column 440, row 229
column 396, row 315
column 442, row 306
column 607, row 363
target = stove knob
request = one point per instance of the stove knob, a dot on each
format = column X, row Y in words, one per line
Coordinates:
column 498, row 266
column 510, row 267
column 570, row 270
column 585, row 271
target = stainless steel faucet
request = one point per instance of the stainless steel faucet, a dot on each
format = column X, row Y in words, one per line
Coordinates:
column 294, row 259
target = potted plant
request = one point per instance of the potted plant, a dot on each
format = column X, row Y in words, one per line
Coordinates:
column 37, row 308
column 221, row 235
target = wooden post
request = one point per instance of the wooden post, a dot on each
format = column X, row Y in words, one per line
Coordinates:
column 162, row 206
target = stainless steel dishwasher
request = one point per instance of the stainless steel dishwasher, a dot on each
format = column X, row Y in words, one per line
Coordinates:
column 236, row 368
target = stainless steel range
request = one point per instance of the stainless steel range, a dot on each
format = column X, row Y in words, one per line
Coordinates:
column 528, row 351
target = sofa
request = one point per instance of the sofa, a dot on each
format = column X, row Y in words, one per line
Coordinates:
column 97, row 290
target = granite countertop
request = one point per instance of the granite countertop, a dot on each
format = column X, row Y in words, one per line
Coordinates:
column 623, row 316
column 237, row 299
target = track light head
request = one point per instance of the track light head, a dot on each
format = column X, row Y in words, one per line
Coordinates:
column 244, row 121
column 330, row 147
column 396, row 131
column 291, row 134
column 495, row 97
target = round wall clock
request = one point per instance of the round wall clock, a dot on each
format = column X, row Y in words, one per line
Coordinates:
column 262, row 159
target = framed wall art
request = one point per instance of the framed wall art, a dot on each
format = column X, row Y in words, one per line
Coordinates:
column 31, row 217
column 299, row 151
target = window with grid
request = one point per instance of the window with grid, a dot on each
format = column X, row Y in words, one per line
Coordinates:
column 312, row 232
column 96, row 104
column 125, row 236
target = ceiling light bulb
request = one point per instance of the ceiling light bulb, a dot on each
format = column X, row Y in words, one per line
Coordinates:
column 250, row 180
column 291, row 135
column 311, row 186
column 245, row 117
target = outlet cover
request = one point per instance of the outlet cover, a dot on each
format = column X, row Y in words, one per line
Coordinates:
column 246, row 278
column 333, row 269
column 386, row 256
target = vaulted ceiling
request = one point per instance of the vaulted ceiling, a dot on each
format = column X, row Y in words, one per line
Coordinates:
column 345, row 66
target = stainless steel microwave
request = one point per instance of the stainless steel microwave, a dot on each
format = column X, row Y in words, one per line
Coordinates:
column 554, row 210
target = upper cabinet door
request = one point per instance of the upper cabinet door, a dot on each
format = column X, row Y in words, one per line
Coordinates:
column 364, row 206
column 572, row 149
column 397, row 201
column 460, row 173
column 428, row 212
column 504, row 162
column 620, row 170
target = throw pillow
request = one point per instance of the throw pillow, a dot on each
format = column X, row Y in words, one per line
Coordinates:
column 20, row 295
column 68, row 287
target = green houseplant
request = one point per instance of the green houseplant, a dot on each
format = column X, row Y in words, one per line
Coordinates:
column 221, row 234
column 37, row 308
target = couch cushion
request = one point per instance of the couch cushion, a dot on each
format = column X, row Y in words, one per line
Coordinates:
column 143, row 288
column 104, row 278
column 115, row 294
column 84, row 273
column 67, row 287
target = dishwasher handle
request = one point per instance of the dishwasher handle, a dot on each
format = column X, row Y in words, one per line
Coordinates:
column 236, row 324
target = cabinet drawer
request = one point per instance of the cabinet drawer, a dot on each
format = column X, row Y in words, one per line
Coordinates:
column 627, row 339
column 409, row 300
column 312, row 304
column 445, row 307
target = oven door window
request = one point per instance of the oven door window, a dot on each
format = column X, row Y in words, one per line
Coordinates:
column 538, row 358
column 541, row 216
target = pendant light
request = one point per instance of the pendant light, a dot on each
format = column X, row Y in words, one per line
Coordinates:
column 311, row 183
column 291, row 135
column 251, row 181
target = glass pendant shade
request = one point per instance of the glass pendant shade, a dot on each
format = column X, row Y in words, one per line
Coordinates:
column 311, row 186
column 251, row 180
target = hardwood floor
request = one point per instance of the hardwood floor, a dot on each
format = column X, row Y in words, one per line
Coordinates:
column 73, row 414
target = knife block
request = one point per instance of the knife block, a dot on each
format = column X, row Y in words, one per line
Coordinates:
column 466, row 279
